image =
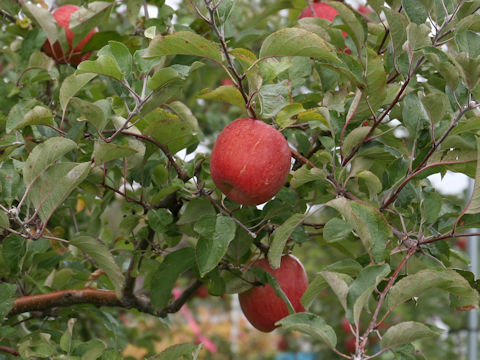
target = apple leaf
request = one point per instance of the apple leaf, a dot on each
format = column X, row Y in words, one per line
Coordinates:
column 159, row 219
column 103, row 259
column 305, row 175
column 103, row 65
column 336, row 230
column 310, row 324
column 406, row 333
column 449, row 280
column 8, row 294
column 284, row 116
column 184, row 43
column 174, row 131
column 361, row 289
column 339, row 283
column 71, row 85
column 45, row 19
column 17, row 113
column 213, row 243
column 474, row 207
column 195, row 210
column 314, row 289
column 162, row 77
column 167, row 273
column 179, row 351
column 354, row 138
column 226, row 93
column 105, row 152
column 297, row 42
column 397, row 24
column 280, row 237
column 354, row 24
column 368, row 223
column 120, row 53
column 4, row 221
column 90, row 112
column 43, row 155
column 415, row 11
column 39, row 115
column 84, row 19
column 13, row 249
column 267, row 278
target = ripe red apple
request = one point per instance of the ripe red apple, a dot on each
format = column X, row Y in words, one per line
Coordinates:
column 261, row 306
column 72, row 56
column 462, row 243
column 250, row 161
column 227, row 81
column 202, row 292
column 346, row 326
column 322, row 10
column 350, row 345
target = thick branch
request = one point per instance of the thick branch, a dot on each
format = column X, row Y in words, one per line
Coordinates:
column 9, row 350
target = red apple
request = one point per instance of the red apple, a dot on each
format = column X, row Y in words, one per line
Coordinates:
column 261, row 306
column 365, row 10
column 462, row 243
column 250, row 161
column 346, row 326
column 227, row 81
column 322, row 10
column 350, row 345
column 72, row 56
column 202, row 292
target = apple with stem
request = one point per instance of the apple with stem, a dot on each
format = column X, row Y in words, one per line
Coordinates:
column 261, row 306
column 250, row 161
column 71, row 56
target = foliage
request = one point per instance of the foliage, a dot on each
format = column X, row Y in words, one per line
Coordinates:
column 106, row 197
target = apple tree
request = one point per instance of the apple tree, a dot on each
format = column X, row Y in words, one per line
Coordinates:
column 107, row 200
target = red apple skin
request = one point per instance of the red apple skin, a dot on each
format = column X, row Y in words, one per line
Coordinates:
column 261, row 306
column 250, row 161
column 72, row 56
column 227, row 81
column 365, row 10
column 322, row 11
column 346, row 326
column 350, row 345
column 202, row 292
column 462, row 243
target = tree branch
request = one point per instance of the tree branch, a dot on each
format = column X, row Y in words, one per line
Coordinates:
column 9, row 350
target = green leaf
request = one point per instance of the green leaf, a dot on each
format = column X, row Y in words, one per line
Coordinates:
column 45, row 19
column 13, row 249
column 339, row 283
column 474, row 207
column 36, row 345
column 162, row 77
column 84, row 19
column 416, row 284
column 103, row 65
column 43, row 155
column 7, row 297
column 159, row 219
column 336, row 230
column 105, row 152
column 66, row 339
column 354, row 25
column 373, row 183
column 432, row 205
column 415, row 11
column 435, row 105
column 280, row 237
column 210, row 250
column 368, row 223
column 284, row 116
column 167, row 273
column 179, row 351
column 175, row 131
column 273, row 97
column 39, row 115
column 361, row 289
column 406, row 333
column 103, row 258
column 184, row 43
column 297, row 42
column 310, row 324
column 133, row 8
column 354, row 138
column 226, row 93
column 40, row 60
column 4, row 221
column 195, row 210
column 71, row 85
column 120, row 53
column 397, row 24
column 17, row 114
column 90, row 112
column 305, row 175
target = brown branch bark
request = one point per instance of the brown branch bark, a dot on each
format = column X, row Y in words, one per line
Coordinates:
column 8, row 350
